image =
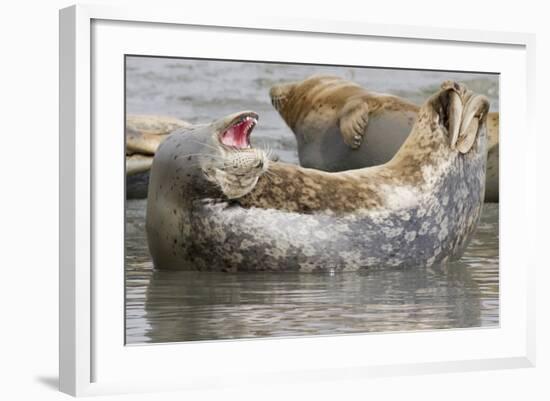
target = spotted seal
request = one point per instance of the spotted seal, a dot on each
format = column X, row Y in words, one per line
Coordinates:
column 420, row 208
column 341, row 126
column 193, row 165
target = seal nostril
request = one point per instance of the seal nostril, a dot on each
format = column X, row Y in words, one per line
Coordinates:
column 260, row 164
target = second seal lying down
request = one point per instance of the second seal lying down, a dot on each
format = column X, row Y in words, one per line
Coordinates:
column 215, row 203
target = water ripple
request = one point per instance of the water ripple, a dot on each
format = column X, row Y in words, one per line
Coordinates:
column 165, row 306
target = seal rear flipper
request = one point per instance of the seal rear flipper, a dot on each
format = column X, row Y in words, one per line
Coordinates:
column 464, row 112
column 137, row 163
column 145, row 144
column 475, row 114
column 353, row 122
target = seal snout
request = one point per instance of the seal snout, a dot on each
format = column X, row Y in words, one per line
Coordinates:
column 278, row 95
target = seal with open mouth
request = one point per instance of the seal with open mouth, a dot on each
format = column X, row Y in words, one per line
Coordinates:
column 198, row 164
column 420, row 208
column 340, row 126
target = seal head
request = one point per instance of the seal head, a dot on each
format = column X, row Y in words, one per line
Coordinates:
column 228, row 159
column 321, row 99
column 196, row 163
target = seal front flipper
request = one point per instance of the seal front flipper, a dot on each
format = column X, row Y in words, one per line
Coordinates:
column 353, row 122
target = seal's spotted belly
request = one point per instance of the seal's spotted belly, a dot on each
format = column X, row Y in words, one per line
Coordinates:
column 231, row 238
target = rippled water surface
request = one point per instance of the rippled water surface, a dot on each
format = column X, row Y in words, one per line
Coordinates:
column 187, row 306
column 165, row 306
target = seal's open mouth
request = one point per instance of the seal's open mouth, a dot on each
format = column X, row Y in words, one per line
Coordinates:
column 238, row 134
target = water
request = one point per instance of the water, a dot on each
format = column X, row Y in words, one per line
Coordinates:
column 164, row 306
column 202, row 91
column 170, row 306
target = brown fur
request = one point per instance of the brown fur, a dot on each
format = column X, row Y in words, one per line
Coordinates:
column 312, row 106
column 330, row 94
column 310, row 190
column 318, row 111
column 144, row 133
column 493, row 123
column 297, row 189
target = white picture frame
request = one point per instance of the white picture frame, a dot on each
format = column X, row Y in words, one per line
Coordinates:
column 93, row 357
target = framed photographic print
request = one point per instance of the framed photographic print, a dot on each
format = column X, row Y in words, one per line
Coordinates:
column 282, row 199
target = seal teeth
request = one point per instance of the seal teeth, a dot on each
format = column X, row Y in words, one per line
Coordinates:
column 251, row 122
column 237, row 134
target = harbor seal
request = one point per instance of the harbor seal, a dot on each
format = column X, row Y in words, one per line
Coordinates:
column 144, row 133
column 492, row 180
column 420, row 208
column 194, row 164
column 340, row 126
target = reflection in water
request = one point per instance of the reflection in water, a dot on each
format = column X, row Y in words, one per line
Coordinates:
column 166, row 306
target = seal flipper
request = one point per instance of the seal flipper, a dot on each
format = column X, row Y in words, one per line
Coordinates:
column 463, row 112
column 353, row 122
column 137, row 163
column 475, row 113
